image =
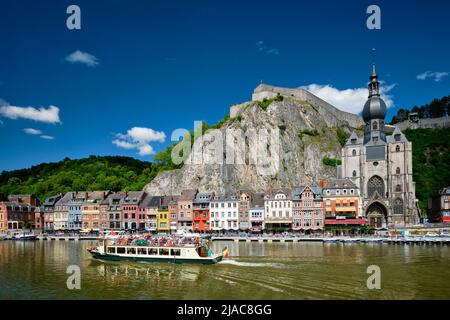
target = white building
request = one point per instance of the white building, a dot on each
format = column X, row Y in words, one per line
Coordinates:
column 224, row 213
column 278, row 210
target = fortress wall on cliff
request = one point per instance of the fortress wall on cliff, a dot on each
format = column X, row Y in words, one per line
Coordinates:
column 268, row 91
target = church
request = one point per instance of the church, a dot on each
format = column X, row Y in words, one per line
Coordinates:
column 380, row 164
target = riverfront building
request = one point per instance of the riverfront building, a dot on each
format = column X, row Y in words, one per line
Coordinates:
column 132, row 211
column 150, row 205
column 224, row 212
column 201, row 210
column 381, row 166
column 256, row 213
column 439, row 207
column 163, row 215
column 173, row 213
column 307, row 208
column 343, row 205
column 17, row 212
column 92, row 218
column 278, row 210
column 113, row 207
column 185, row 205
column 47, row 210
column 245, row 197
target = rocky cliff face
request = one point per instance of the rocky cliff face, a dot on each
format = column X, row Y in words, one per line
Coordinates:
column 307, row 134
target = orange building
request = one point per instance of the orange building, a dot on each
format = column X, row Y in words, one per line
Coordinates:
column 342, row 206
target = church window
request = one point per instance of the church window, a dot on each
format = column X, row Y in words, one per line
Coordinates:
column 354, row 152
column 375, row 184
column 354, row 173
column 375, row 126
column 397, row 171
column 354, row 141
column 375, row 139
column 398, row 188
column 398, row 206
column 397, row 137
column 397, row 148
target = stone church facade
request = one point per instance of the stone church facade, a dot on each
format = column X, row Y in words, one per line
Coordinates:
column 381, row 166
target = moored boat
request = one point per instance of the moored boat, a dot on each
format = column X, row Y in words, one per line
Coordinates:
column 24, row 236
column 190, row 253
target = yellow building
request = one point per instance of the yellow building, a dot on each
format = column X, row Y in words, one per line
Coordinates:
column 163, row 220
column 163, row 216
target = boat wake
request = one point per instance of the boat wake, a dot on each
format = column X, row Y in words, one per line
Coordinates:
column 251, row 264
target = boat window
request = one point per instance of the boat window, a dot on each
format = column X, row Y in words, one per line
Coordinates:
column 153, row 251
column 175, row 252
column 142, row 250
column 120, row 250
column 163, row 252
column 131, row 250
column 111, row 249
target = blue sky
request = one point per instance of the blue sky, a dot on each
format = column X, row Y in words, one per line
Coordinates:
column 163, row 64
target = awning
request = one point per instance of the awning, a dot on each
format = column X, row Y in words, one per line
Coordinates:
column 345, row 221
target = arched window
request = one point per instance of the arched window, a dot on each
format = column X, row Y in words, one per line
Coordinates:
column 354, row 152
column 398, row 206
column 375, row 126
column 354, row 173
column 397, row 149
column 397, row 171
column 398, row 188
column 375, row 184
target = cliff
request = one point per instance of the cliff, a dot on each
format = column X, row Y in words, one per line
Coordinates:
column 309, row 129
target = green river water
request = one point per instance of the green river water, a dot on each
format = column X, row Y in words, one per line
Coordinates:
column 307, row 270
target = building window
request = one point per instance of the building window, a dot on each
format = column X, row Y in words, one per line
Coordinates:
column 398, row 188
column 398, row 206
column 397, row 149
column 354, row 152
column 354, row 173
column 397, row 171
column 375, row 184
column 375, row 126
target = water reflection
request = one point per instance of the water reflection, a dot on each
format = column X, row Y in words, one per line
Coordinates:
column 254, row 270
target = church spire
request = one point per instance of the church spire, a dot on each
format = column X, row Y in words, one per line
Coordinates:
column 374, row 85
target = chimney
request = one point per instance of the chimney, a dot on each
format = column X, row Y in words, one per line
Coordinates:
column 86, row 195
column 322, row 183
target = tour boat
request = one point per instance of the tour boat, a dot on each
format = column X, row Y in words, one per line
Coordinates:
column 190, row 253
column 24, row 236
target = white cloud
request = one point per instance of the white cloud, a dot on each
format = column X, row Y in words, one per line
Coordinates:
column 139, row 138
column 82, row 57
column 261, row 47
column 435, row 75
column 32, row 131
column 350, row 100
column 46, row 137
column 49, row 115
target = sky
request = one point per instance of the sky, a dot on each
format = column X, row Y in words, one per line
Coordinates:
column 138, row 70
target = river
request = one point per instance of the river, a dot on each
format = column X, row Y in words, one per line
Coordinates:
column 306, row 270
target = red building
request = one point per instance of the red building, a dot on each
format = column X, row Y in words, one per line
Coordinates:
column 439, row 207
column 201, row 215
column 18, row 213
column 133, row 214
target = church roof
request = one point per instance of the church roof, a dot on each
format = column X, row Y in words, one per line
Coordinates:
column 352, row 137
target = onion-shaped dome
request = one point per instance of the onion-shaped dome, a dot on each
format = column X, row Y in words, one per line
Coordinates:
column 375, row 108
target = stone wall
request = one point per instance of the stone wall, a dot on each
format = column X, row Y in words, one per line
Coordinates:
column 442, row 122
column 267, row 91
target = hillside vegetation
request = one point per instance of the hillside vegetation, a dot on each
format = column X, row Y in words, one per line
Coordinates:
column 431, row 161
column 93, row 173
